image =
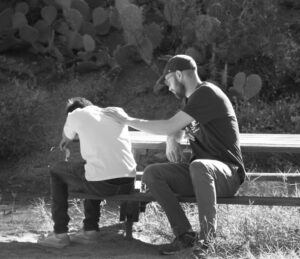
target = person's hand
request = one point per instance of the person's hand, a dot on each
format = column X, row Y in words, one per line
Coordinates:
column 173, row 150
column 63, row 144
column 189, row 136
column 118, row 114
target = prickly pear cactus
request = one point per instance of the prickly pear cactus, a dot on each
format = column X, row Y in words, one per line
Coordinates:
column 29, row 33
column 88, row 43
column 19, row 20
column 131, row 17
column 82, row 7
column 6, row 19
column 195, row 54
column 22, row 7
column 132, row 22
column 206, row 28
column 114, row 18
column 45, row 31
column 216, row 10
column 173, row 13
column 246, row 87
column 74, row 18
column 64, row 4
column 154, row 34
column 49, row 14
column 253, row 86
column 101, row 21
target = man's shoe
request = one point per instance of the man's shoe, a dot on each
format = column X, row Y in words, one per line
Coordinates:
column 55, row 240
column 200, row 250
column 85, row 237
column 184, row 241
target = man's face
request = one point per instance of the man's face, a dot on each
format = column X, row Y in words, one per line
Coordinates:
column 176, row 87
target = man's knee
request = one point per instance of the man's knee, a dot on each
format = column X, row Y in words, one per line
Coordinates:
column 58, row 167
column 200, row 171
column 150, row 173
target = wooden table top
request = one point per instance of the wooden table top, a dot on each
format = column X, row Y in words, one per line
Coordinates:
column 250, row 142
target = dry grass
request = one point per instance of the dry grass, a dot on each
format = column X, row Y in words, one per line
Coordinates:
column 243, row 231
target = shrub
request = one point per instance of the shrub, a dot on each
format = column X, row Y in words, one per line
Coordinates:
column 19, row 129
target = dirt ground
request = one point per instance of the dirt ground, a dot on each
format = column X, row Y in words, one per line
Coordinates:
column 18, row 239
column 110, row 246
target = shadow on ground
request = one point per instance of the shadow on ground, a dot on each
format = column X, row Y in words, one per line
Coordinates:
column 110, row 245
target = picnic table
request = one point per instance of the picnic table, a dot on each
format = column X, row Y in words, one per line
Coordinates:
column 283, row 144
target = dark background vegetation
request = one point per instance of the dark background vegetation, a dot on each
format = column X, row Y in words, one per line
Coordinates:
column 112, row 52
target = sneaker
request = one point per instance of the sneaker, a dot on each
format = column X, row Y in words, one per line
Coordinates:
column 55, row 240
column 85, row 237
column 200, row 250
column 184, row 241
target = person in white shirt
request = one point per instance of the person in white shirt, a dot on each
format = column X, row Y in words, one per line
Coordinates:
column 108, row 169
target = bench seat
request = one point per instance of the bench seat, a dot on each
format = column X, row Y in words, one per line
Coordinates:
column 238, row 200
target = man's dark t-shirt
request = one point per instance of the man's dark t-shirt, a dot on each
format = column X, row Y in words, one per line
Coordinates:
column 215, row 128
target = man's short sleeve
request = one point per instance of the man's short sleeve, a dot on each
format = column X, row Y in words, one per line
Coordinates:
column 203, row 105
column 70, row 126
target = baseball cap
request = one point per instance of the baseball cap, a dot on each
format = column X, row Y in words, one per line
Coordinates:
column 178, row 62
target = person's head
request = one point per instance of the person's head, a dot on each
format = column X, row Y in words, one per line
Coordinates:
column 180, row 75
column 77, row 102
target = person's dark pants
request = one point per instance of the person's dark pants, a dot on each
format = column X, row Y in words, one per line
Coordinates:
column 203, row 178
column 69, row 177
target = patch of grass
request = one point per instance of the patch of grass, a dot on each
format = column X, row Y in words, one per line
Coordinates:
column 243, row 231
column 260, row 232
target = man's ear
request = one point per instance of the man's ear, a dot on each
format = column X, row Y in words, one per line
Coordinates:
column 178, row 75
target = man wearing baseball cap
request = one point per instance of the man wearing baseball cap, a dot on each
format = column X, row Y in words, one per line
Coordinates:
column 215, row 168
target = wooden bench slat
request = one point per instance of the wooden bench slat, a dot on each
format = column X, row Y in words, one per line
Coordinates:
column 239, row 200
column 293, row 177
column 277, row 143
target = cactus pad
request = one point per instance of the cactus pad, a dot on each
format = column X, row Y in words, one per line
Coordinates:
column 103, row 29
column 64, row 4
column 19, row 20
column 239, row 81
column 6, row 19
column 114, row 18
column 44, row 31
column 82, row 7
column 195, row 54
column 22, row 7
column 49, row 14
column 100, row 15
column 88, row 43
column 252, row 87
column 172, row 13
column 74, row 18
column 153, row 32
column 29, row 34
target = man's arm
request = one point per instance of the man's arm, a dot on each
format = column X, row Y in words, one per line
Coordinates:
column 64, row 142
column 161, row 127
column 173, row 149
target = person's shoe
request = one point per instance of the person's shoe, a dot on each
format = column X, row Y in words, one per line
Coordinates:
column 55, row 240
column 184, row 241
column 85, row 237
column 200, row 250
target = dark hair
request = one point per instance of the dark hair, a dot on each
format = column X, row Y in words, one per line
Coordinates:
column 77, row 102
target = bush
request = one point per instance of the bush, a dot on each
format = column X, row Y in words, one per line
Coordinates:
column 262, row 117
column 19, row 130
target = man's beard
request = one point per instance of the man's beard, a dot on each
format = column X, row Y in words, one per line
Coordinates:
column 180, row 93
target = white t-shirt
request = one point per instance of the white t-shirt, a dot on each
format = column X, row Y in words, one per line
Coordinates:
column 104, row 144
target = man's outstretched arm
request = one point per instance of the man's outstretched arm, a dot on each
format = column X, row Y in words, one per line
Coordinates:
column 161, row 127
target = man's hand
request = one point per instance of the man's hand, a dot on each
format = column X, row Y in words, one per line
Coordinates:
column 64, row 143
column 173, row 150
column 118, row 114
